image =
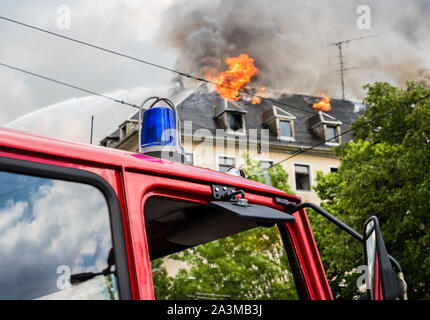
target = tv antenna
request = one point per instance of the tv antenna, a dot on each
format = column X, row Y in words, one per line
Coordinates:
column 343, row 68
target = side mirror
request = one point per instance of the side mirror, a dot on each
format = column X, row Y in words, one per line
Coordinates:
column 384, row 284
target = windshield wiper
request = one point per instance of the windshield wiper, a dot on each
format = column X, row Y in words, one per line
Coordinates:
column 85, row 276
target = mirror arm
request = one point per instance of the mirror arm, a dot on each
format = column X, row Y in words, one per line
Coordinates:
column 291, row 207
column 395, row 264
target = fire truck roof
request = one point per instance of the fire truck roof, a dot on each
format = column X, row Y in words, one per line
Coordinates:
column 26, row 143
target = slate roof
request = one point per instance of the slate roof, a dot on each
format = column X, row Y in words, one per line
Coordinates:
column 202, row 105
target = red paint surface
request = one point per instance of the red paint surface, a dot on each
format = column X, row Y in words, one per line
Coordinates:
column 136, row 177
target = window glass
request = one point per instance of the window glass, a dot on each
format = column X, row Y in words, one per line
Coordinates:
column 302, row 177
column 189, row 158
column 331, row 134
column 265, row 165
column 235, row 121
column 49, row 231
column 249, row 265
column 286, row 129
column 226, row 163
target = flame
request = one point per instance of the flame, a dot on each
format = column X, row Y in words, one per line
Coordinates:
column 240, row 71
column 324, row 104
column 257, row 100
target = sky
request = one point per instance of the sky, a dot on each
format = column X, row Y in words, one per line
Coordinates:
column 45, row 224
column 58, row 111
column 288, row 39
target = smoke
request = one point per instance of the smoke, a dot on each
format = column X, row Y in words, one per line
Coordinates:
column 289, row 41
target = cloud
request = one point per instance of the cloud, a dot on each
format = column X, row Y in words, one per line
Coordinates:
column 61, row 223
column 126, row 26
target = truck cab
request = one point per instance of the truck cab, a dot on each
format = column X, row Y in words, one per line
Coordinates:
column 80, row 221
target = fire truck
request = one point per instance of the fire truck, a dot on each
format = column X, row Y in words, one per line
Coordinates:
column 79, row 221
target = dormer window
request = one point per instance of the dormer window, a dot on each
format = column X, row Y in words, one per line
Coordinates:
column 231, row 117
column 280, row 123
column 326, row 127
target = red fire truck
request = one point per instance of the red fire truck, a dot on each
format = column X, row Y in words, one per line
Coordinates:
column 78, row 212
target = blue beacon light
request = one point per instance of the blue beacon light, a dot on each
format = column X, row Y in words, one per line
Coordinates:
column 159, row 131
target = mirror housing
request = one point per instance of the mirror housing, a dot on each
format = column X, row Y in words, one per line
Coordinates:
column 384, row 284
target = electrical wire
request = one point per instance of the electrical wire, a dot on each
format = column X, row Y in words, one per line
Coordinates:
column 183, row 74
column 69, row 85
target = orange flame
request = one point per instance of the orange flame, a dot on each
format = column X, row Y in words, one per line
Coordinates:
column 324, row 104
column 240, row 71
column 257, row 100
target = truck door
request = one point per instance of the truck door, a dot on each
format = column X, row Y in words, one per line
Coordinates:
column 172, row 220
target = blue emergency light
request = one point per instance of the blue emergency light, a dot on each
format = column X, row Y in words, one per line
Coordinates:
column 159, row 130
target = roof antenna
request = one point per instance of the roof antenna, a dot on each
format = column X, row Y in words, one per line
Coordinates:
column 343, row 68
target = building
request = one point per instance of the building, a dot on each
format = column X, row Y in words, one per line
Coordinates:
column 216, row 132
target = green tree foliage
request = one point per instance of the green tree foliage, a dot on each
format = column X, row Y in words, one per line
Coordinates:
column 249, row 265
column 384, row 172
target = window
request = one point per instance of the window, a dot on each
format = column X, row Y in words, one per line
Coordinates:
column 189, row 158
column 51, row 231
column 303, row 179
column 226, row 163
column 333, row 169
column 265, row 165
column 235, row 121
column 331, row 134
column 228, row 257
column 285, row 129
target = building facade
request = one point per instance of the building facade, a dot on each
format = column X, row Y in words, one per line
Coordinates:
column 216, row 133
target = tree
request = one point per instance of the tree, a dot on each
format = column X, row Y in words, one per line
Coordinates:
column 249, row 265
column 384, row 172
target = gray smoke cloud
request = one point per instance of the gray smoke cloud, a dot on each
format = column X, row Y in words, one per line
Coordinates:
column 289, row 41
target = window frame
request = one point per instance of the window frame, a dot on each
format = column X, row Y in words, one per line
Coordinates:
column 336, row 140
column 286, row 241
column 42, row 170
column 286, row 138
column 310, row 177
column 269, row 161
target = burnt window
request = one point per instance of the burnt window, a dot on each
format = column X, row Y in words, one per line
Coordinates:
column 235, row 121
column 303, row 178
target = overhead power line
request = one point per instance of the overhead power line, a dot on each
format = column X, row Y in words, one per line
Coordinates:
column 183, row 74
column 70, row 85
